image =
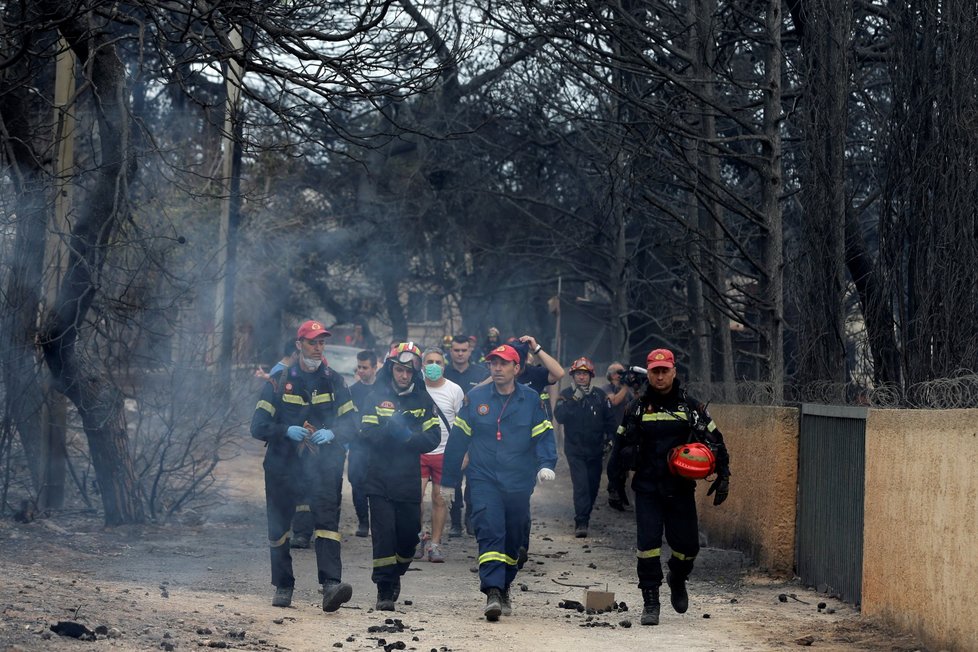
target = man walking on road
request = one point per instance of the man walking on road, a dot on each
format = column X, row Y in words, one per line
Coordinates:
column 398, row 426
column 448, row 398
column 505, row 430
column 357, row 466
column 663, row 420
column 589, row 424
column 466, row 375
column 305, row 416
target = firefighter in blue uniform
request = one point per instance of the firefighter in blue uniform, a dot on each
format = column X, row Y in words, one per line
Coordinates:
column 398, row 425
column 305, row 416
column 658, row 420
column 509, row 438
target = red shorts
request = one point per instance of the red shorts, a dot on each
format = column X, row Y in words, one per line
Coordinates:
column 431, row 467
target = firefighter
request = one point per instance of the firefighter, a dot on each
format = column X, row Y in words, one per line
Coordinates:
column 305, row 416
column 398, row 425
column 661, row 418
column 589, row 426
column 510, row 442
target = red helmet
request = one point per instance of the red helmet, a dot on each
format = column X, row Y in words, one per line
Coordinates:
column 694, row 461
column 406, row 353
column 582, row 364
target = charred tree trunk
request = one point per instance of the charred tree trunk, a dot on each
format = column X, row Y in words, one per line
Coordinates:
column 98, row 403
column 825, row 43
column 772, row 279
column 22, row 294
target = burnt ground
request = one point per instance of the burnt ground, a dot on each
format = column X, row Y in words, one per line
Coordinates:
column 204, row 583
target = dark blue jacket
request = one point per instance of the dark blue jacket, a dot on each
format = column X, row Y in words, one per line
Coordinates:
column 394, row 465
column 510, row 456
column 294, row 397
column 472, row 376
column 588, row 422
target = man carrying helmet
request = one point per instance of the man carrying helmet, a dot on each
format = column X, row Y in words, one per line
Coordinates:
column 398, row 426
column 589, row 424
column 667, row 439
column 510, row 442
column 305, row 416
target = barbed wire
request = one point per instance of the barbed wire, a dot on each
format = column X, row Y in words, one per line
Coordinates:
column 960, row 391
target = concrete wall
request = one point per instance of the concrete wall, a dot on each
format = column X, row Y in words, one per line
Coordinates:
column 758, row 518
column 920, row 552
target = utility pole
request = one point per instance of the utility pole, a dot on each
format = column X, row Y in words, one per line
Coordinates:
column 230, row 212
column 51, row 492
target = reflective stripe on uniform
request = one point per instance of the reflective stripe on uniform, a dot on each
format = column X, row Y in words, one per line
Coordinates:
column 403, row 560
column 322, row 398
column 433, row 422
column 265, row 405
column 385, row 561
column 346, row 407
column 681, row 557
column 370, row 418
column 711, row 426
column 496, row 556
column 294, row 399
column 385, row 412
column 544, row 396
column 648, row 554
column 663, row 416
column 302, row 508
column 275, row 543
column 415, row 413
column 326, row 534
column 620, row 431
column 541, row 428
column 464, row 427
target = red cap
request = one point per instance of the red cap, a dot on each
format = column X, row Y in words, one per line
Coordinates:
column 659, row 358
column 310, row 330
column 505, row 352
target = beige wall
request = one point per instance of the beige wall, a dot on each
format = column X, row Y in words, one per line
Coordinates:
column 920, row 553
column 759, row 516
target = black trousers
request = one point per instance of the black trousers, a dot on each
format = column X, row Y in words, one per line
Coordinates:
column 394, row 527
column 356, row 472
column 585, row 473
column 317, row 478
column 676, row 516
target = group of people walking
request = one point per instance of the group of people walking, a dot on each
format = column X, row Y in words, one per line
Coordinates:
column 425, row 418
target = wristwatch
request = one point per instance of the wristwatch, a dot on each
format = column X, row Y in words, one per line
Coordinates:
column 538, row 349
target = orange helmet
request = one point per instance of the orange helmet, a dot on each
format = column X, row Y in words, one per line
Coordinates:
column 694, row 461
column 583, row 364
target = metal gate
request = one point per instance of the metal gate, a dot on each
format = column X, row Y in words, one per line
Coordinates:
column 831, row 475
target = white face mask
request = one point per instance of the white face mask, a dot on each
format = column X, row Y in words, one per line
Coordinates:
column 310, row 363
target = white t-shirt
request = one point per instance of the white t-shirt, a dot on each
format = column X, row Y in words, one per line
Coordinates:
column 449, row 399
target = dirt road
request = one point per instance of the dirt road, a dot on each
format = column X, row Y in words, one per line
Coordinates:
column 205, row 584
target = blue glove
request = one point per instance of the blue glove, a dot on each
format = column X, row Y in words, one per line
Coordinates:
column 398, row 428
column 296, row 433
column 322, row 436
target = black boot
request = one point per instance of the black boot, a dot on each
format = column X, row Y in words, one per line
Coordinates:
column 678, row 595
column 506, row 604
column 385, row 597
column 494, row 604
column 650, row 612
column 334, row 594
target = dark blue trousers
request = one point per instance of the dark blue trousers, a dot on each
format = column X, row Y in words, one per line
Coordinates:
column 501, row 520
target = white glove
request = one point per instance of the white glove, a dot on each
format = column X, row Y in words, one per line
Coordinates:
column 447, row 495
column 545, row 475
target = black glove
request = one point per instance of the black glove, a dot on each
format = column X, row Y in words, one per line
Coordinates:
column 721, row 486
